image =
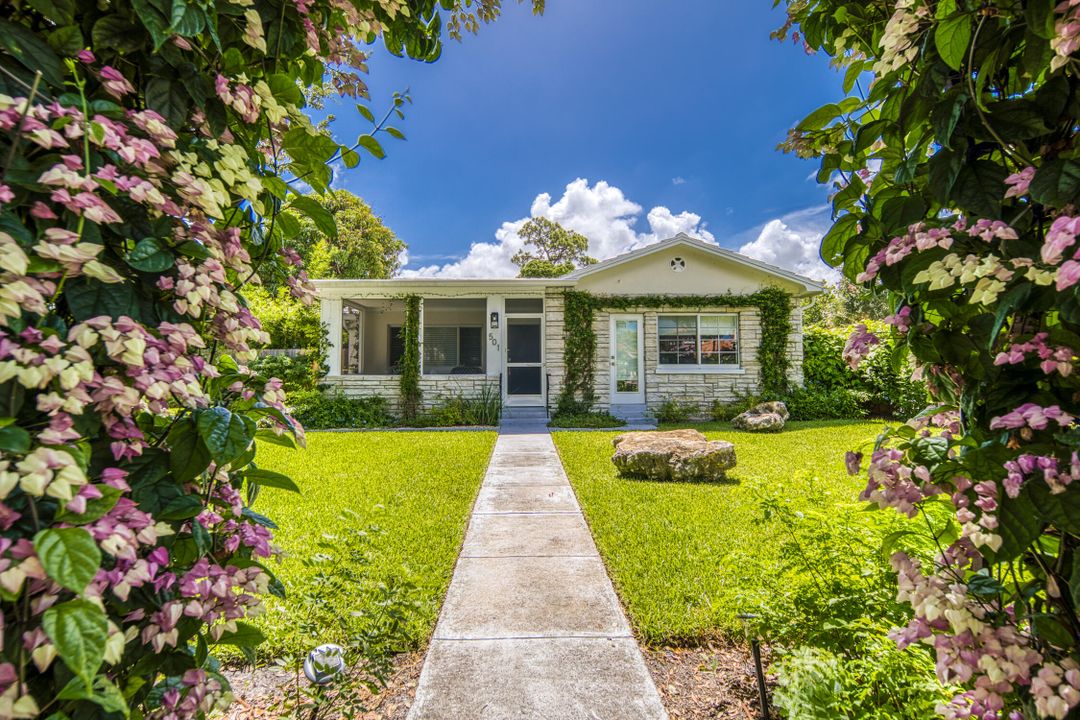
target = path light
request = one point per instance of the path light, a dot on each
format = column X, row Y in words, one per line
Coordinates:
column 755, row 650
column 324, row 663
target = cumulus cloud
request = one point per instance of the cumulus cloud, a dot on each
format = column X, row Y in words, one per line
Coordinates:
column 678, row 180
column 792, row 242
column 600, row 212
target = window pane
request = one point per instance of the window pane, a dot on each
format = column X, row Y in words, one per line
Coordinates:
column 397, row 349
column 523, row 380
column 523, row 340
column 524, row 305
column 440, row 349
column 470, row 350
column 729, row 358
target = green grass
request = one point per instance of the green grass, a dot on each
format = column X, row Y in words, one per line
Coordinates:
column 686, row 558
column 411, row 492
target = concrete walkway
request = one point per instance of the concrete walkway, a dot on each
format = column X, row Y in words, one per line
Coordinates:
column 531, row 626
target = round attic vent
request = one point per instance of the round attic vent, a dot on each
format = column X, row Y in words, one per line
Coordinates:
column 678, row 264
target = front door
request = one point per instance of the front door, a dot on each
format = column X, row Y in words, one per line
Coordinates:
column 627, row 360
column 524, row 360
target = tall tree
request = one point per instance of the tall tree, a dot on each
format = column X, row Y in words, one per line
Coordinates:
column 363, row 247
column 550, row 249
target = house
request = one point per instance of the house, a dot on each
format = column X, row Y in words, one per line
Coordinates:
column 680, row 319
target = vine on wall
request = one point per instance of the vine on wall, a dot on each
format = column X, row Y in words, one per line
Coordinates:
column 578, row 393
column 411, row 394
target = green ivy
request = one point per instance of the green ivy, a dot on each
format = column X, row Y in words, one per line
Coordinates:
column 410, row 359
column 773, row 304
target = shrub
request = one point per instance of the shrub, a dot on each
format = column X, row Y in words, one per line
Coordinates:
column 813, row 402
column 296, row 373
column 459, row 411
column 882, row 383
column 675, row 411
column 326, row 410
column 586, row 420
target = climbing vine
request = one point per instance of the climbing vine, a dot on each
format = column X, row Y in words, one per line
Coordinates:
column 410, row 358
column 773, row 304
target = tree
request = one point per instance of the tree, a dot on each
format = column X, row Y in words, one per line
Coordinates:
column 846, row 303
column 550, row 249
column 151, row 151
column 363, row 246
column 957, row 179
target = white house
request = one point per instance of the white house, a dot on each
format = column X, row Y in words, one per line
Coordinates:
column 509, row 334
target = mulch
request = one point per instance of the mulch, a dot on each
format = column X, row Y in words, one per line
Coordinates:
column 712, row 682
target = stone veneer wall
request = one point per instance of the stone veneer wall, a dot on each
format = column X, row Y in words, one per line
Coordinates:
column 434, row 387
column 554, row 343
column 701, row 388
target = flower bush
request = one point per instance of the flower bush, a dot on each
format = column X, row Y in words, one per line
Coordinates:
column 957, row 177
column 149, row 149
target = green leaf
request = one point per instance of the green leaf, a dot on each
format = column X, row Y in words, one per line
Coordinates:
column 194, row 250
column 259, row 518
column 14, row 439
column 95, row 508
column 984, row 585
column 87, row 298
column 1062, row 509
column 834, row 241
column 182, row 507
column 188, row 456
column 269, row 478
column 186, row 18
column 394, row 132
column 69, row 555
column 169, row 99
column 819, row 118
column 979, row 188
column 60, row 12
column 899, row 212
column 149, row 256
column 155, row 16
column 103, row 693
column 269, row 436
column 245, row 635
column 1056, row 183
column 224, row 433
column 323, row 218
column 351, row 158
column 951, row 37
column 1051, row 630
column 118, row 33
column 284, row 88
column 1074, row 579
column 32, row 52
column 66, row 40
column 78, row 629
column 1018, row 526
column 369, row 143
column 366, row 113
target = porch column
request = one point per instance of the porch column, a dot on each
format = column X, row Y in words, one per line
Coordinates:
column 493, row 345
column 330, row 314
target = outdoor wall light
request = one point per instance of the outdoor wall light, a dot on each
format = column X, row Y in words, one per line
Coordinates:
column 494, row 321
column 324, row 663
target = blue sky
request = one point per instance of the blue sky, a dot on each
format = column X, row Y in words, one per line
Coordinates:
column 612, row 108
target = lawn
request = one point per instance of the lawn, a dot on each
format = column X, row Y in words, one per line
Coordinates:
column 407, row 497
column 686, row 558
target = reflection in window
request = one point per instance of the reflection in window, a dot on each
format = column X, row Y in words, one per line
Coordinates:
column 698, row 339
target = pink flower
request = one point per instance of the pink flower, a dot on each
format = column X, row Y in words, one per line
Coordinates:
column 1033, row 416
column 1062, row 235
column 114, row 83
column 1068, row 275
column 1018, row 182
column 85, row 56
column 859, row 344
column 6, row 195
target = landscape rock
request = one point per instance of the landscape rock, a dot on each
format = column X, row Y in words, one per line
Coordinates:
column 676, row 455
column 766, row 417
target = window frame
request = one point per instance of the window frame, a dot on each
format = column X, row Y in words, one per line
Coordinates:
column 698, row 366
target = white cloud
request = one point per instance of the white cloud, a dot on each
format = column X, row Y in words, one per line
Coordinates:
column 678, row 180
column 792, row 242
column 600, row 212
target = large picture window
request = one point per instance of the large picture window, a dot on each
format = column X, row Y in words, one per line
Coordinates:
column 453, row 350
column 699, row 340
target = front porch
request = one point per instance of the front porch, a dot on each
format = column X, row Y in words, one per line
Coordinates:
column 474, row 338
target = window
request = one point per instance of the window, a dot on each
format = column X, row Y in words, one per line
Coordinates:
column 705, row 340
column 524, row 306
column 396, row 344
column 453, row 350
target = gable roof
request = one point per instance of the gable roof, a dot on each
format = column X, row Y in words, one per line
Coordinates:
column 683, row 240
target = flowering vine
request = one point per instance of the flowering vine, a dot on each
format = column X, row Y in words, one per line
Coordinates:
column 971, row 226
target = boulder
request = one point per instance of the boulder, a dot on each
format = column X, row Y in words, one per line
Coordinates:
column 672, row 455
column 766, row 417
